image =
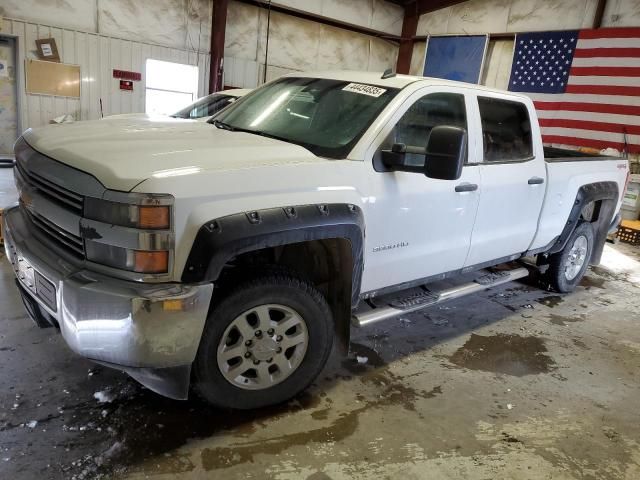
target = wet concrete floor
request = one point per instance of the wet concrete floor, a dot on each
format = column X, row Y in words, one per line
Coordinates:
column 515, row 383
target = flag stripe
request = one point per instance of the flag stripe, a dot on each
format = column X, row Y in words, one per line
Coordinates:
column 591, row 134
column 589, row 107
column 607, row 43
column 612, row 32
column 606, row 62
column 606, row 52
column 589, row 125
column 585, row 142
column 590, row 116
column 604, row 89
column 582, row 97
column 605, row 71
column 613, row 81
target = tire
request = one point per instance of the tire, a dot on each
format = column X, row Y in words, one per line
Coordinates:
column 565, row 270
column 225, row 372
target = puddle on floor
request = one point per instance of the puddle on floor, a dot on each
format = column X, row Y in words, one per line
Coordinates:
column 562, row 320
column 370, row 370
column 588, row 282
column 606, row 274
column 140, row 425
column 508, row 354
column 551, row 301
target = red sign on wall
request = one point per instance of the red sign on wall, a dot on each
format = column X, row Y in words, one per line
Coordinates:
column 126, row 85
column 125, row 75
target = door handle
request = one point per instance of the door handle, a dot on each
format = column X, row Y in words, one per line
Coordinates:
column 466, row 187
column 535, row 181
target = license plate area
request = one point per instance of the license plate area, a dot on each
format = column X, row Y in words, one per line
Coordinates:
column 33, row 280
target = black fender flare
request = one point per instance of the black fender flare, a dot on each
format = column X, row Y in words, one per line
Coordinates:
column 608, row 194
column 219, row 240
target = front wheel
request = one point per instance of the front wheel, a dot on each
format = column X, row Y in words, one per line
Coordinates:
column 567, row 267
column 263, row 343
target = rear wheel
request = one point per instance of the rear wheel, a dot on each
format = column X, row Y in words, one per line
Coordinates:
column 566, row 268
column 266, row 341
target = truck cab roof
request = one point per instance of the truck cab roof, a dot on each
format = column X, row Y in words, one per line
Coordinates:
column 396, row 81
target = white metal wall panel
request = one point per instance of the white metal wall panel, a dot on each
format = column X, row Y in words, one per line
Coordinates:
column 97, row 56
column 240, row 72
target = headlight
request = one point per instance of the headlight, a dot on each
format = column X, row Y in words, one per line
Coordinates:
column 146, row 217
column 129, row 232
column 139, row 261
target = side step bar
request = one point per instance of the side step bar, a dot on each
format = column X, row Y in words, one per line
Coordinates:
column 415, row 302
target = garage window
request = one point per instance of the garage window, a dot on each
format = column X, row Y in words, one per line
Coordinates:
column 169, row 86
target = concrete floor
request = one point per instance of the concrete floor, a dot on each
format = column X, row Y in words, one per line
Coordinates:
column 512, row 383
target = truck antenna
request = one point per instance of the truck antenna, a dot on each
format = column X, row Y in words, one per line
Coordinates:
column 388, row 73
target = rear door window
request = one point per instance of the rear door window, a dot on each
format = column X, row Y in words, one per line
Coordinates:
column 506, row 130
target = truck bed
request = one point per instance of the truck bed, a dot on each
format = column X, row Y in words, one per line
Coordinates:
column 554, row 154
column 567, row 172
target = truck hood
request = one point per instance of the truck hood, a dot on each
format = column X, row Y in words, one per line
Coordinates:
column 122, row 152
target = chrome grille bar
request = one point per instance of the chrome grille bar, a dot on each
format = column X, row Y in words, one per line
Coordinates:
column 51, row 190
column 68, row 240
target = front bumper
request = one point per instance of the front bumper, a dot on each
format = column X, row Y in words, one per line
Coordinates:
column 151, row 331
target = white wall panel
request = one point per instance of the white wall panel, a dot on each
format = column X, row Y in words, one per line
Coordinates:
column 622, row 13
column 296, row 44
column 498, row 63
column 479, row 17
column 72, row 14
column 375, row 14
column 97, row 56
column 499, row 16
column 417, row 58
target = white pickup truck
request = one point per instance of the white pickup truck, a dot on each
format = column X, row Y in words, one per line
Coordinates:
column 228, row 255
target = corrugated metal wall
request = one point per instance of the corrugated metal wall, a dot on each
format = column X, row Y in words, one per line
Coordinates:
column 97, row 56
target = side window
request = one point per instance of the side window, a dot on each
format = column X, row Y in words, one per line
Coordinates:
column 506, row 130
column 211, row 108
column 430, row 111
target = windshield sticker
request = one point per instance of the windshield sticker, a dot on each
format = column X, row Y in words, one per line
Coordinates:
column 364, row 89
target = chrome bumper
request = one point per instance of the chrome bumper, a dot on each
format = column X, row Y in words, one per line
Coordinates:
column 148, row 330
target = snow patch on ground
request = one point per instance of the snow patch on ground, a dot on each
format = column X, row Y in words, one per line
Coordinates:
column 103, row 397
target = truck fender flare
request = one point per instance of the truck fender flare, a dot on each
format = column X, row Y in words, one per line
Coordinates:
column 221, row 239
column 607, row 193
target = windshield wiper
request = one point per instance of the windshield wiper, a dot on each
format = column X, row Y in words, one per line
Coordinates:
column 223, row 126
column 226, row 126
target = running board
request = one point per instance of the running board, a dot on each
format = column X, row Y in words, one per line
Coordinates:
column 403, row 305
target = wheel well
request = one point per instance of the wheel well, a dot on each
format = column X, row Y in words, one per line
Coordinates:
column 327, row 263
column 591, row 211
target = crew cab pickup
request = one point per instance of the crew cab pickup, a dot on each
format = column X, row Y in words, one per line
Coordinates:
column 229, row 255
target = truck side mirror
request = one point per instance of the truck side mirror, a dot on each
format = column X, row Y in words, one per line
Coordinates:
column 394, row 159
column 445, row 153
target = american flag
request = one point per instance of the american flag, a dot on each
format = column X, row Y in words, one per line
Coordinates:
column 585, row 85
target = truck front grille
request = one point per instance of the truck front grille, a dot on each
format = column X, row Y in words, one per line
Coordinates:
column 65, row 240
column 66, row 198
column 48, row 204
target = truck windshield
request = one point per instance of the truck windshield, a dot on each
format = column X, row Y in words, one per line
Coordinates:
column 325, row 116
column 205, row 107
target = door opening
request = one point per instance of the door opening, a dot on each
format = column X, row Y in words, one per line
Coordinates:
column 8, row 97
column 169, row 86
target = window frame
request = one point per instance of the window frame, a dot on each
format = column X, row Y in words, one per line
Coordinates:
column 483, row 160
column 472, row 122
